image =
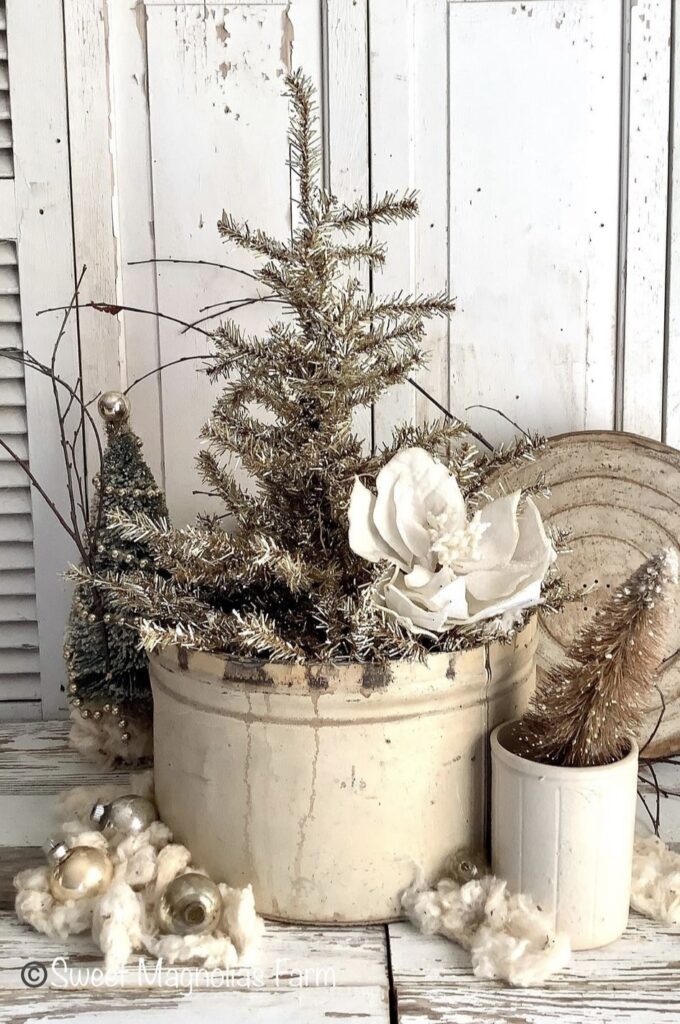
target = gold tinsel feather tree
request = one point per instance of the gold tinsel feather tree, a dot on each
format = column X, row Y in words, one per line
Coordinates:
column 284, row 583
column 587, row 712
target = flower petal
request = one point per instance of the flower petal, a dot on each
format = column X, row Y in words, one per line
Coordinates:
column 497, row 544
column 534, row 545
column 364, row 539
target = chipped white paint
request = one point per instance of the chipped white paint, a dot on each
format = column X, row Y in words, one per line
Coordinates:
column 326, row 786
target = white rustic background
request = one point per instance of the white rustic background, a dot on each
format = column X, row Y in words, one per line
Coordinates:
column 539, row 134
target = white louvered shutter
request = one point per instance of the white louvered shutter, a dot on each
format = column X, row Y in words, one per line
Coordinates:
column 19, row 658
column 19, row 662
column 36, row 270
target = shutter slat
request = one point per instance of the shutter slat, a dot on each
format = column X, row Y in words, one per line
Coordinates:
column 11, row 391
column 17, row 582
column 19, row 661
column 19, row 528
column 10, row 335
column 12, row 420
column 10, row 311
column 22, row 635
column 14, row 500
column 19, row 687
column 18, row 609
column 9, row 280
column 16, row 555
column 19, row 445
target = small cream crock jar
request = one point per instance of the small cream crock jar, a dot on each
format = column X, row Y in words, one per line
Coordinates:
column 565, row 836
column 326, row 786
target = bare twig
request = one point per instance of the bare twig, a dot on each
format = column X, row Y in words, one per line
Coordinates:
column 164, row 366
column 114, row 309
column 442, row 408
column 490, row 408
column 200, row 263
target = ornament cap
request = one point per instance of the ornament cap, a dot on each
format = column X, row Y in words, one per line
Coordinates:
column 97, row 812
column 55, row 850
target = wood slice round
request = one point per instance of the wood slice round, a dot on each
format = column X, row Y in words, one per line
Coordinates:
column 619, row 496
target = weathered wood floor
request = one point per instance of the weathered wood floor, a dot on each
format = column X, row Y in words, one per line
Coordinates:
column 302, row 975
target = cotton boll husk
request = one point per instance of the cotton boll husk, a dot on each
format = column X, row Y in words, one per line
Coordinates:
column 117, row 924
column 655, row 888
column 239, row 918
column 211, row 951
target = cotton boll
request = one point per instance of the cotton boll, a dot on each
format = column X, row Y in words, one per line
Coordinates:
column 94, row 839
column 240, row 919
column 58, row 920
column 117, row 924
column 655, row 889
column 211, row 951
column 78, row 802
column 508, row 936
column 140, row 867
column 35, row 879
column 172, row 861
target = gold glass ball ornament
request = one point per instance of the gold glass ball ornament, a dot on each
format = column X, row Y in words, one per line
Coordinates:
column 191, row 905
column 128, row 815
column 81, row 872
column 114, row 408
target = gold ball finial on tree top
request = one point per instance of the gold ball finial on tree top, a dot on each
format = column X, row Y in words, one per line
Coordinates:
column 114, row 408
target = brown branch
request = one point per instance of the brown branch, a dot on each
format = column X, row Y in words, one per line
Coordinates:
column 442, row 408
column 115, row 309
column 200, row 263
column 164, row 366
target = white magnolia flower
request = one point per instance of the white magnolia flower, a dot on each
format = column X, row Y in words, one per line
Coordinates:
column 448, row 569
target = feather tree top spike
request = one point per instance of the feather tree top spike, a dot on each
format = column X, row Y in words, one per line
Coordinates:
column 587, row 712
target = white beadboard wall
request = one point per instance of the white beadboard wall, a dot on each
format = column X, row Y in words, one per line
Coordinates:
column 539, row 135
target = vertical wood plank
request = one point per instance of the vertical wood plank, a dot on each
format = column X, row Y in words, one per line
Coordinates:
column 134, row 217
column 534, row 174
column 347, row 127
column 87, row 66
column 218, row 127
column 643, row 350
column 672, row 381
column 45, row 252
column 392, row 112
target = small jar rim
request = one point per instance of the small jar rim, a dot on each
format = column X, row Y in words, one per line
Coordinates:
column 530, row 767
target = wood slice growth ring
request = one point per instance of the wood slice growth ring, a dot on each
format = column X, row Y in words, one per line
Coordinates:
column 619, row 496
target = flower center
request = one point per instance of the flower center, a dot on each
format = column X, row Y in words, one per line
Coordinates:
column 455, row 545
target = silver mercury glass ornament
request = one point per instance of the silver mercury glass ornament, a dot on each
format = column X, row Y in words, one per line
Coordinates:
column 79, row 872
column 128, row 815
column 190, row 905
column 114, row 408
